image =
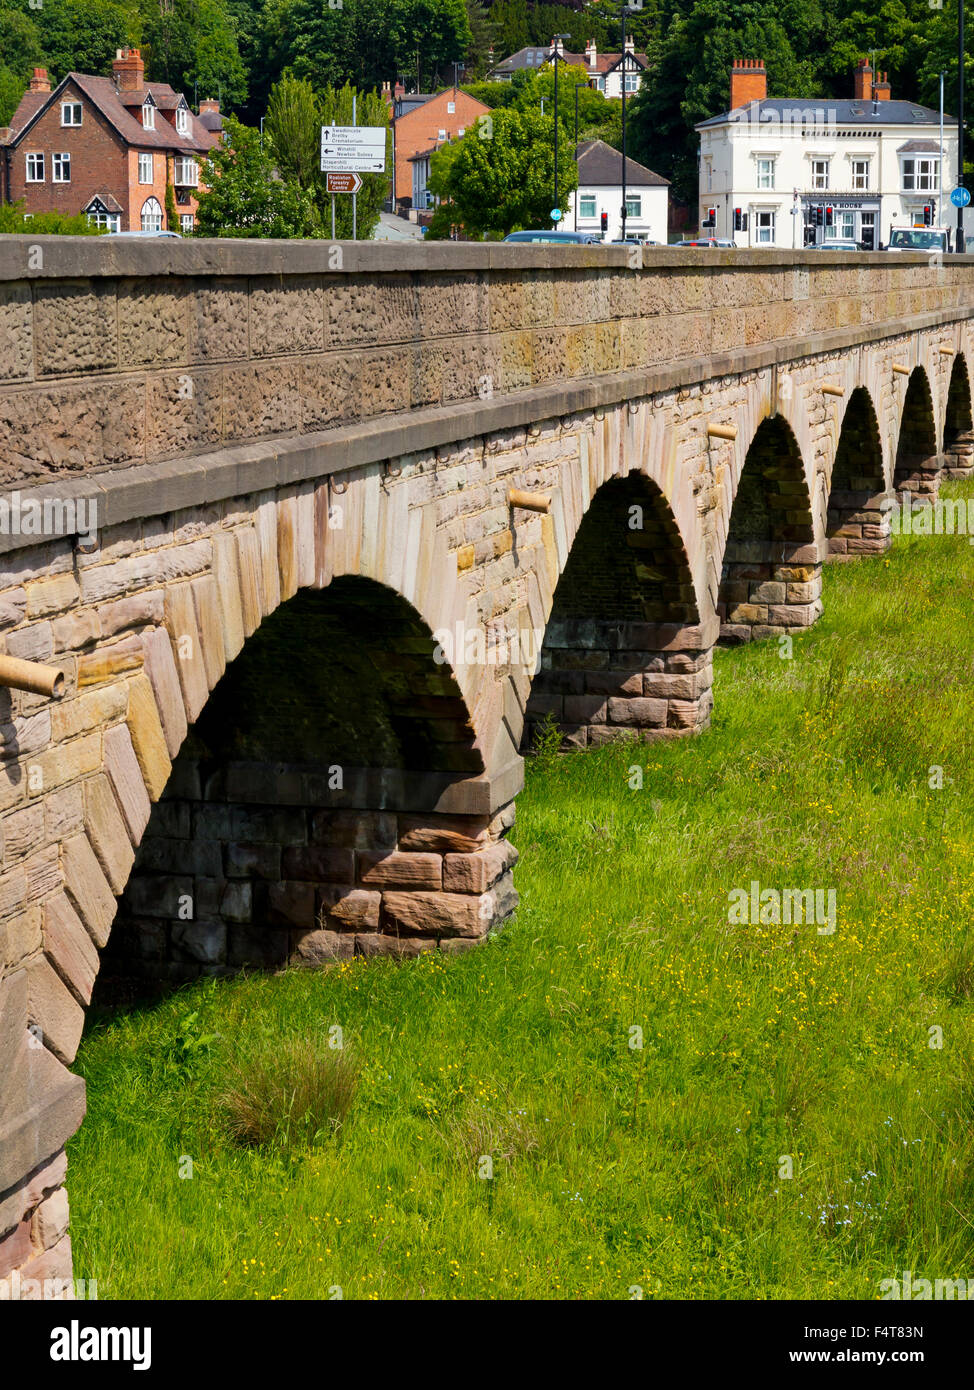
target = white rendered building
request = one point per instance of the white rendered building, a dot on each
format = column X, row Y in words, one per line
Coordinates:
column 600, row 191
column 874, row 161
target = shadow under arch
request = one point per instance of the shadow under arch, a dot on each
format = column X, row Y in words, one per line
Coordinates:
column 310, row 809
column 624, row 653
column 958, row 440
column 858, row 523
column 917, row 468
column 771, row 575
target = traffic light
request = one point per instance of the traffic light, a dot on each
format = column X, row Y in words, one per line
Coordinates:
column 818, row 215
column 829, row 216
column 711, row 219
column 605, row 222
column 928, row 215
column 738, row 219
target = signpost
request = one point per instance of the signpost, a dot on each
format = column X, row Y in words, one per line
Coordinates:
column 343, row 183
column 350, row 150
column 961, row 197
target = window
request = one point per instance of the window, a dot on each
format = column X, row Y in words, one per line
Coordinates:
column 35, row 168
column 601, row 84
column 186, row 223
column 441, row 135
column 921, row 175
column 847, row 226
column 151, row 215
column 860, row 174
column 462, row 132
column 765, row 173
column 61, row 168
column 109, row 220
column 708, row 165
column 71, row 113
column 186, row 173
column 145, row 168
column 764, row 228
column 148, row 117
column 451, row 107
column 634, row 205
column 182, row 120
column 632, row 81
column 586, row 205
column 820, row 173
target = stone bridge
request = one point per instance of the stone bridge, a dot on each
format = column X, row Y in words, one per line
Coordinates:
column 299, row 523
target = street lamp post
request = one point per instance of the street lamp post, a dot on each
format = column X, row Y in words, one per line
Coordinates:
column 579, row 86
column 625, row 12
column 961, row 246
column 558, row 40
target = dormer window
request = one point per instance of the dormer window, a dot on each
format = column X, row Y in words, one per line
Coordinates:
column 148, row 117
column 182, row 120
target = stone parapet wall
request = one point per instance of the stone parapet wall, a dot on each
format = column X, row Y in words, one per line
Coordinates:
column 116, row 356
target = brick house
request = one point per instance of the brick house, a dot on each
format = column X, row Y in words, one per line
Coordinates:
column 607, row 72
column 418, row 127
column 107, row 147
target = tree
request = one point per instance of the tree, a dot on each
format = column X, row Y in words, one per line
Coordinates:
column 295, row 115
column 12, row 88
column 84, row 35
column 500, row 175
column 192, row 46
column 13, row 221
column 243, row 197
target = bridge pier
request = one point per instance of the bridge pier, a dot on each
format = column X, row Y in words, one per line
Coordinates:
column 918, row 477
column 606, row 682
column 768, row 589
column 958, row 456
column 858, row 525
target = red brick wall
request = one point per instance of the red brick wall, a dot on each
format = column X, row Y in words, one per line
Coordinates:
column 98, row 161
column 419, row 130
column 101, row 162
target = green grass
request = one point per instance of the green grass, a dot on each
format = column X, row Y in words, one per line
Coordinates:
column 615, row 1167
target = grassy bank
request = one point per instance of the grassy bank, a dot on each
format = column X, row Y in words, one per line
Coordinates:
column 764, row 1047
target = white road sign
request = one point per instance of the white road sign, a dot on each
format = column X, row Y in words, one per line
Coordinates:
column 353, row 149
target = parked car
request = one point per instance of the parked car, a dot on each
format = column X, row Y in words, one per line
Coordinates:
column 836, row 245
column 706, row 241
column 152, row 234
column 557, row 238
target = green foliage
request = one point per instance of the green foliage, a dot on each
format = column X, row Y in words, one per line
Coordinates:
column 245, row 198
column 13, row 222
column 295, row 115
column 193, row 47
column 500, row 175
column 172, row 212
column 83, row 35
column 12, row 88
column 190, row 1046
column 293, row 1096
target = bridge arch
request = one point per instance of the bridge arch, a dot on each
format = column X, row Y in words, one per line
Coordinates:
column 300, row 820
column 624, row 654
column 917, row 464
column 771, row 578
column 857, row 523
column 958, row 435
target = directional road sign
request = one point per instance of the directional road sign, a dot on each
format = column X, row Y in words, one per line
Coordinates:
column 353, row 149
column 343, row 183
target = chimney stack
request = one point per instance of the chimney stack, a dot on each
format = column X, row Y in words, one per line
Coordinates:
column 748, row 82
column 881, row 88
column 210, row 105
column 39, row 81
column 591, row 54
column 128, row 70
column 863, row 78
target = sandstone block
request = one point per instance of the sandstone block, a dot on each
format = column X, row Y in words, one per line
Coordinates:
column 53, row 1008
column 318, row 947
column 343, row 908
column 107, row 832
column 292, row 903
column 319, row 864
column 434, row 914
column 53, row 595
column 442, row 834
column 148, row 738
column 400, row 870
column 160, row 667
column 88, row 888
column 404, row 947
column 128, row 784
column 69, row 947
column 50, row 1221
column 190, row 664
column 205, row 942
column 638, row 712
column 476, row 873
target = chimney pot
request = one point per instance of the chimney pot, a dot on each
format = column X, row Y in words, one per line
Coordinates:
column 39, row 81
column 210, row 105
column 128, row 70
